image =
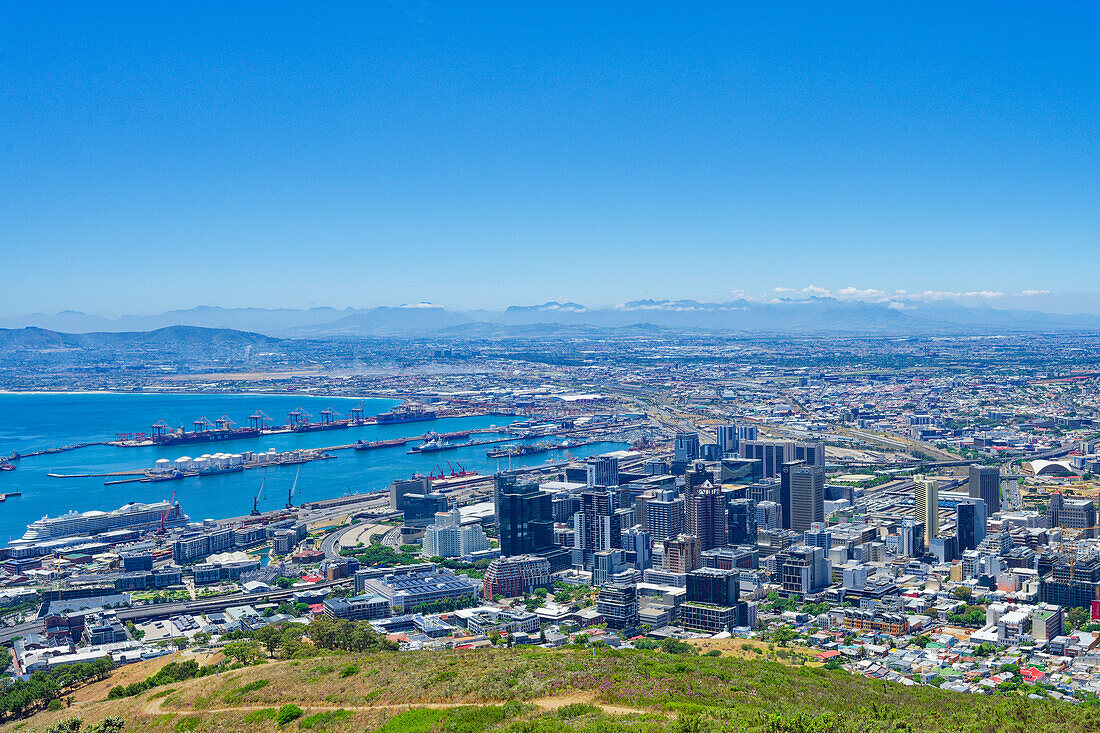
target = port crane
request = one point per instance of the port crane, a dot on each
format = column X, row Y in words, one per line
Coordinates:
column 328, row 415
column 160, row 428
column 164, row 517
column 299, row 416
column 290, row 494
column 256, row 502
column 357, row 411
column 224, row 423
column 202, row 424
column 257, row 419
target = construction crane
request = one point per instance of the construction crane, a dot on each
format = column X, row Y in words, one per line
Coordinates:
column 164, row 517
column 1072, row 543
column 256, row 502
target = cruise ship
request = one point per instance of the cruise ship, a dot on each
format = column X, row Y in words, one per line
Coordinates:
column 133, row 516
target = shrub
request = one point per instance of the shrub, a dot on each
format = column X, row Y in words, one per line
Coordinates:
column 349, row 670
column 577, row 709
column 320, row 721
column 288, row 713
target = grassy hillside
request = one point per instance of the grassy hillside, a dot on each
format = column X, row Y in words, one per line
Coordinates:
column 536, row 690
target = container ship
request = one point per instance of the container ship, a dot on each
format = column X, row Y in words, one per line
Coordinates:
column 181, row 437
column 405, row 414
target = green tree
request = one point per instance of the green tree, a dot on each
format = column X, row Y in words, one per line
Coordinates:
column 1077, row 617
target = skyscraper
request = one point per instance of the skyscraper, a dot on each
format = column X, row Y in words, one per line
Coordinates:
column 741, row 522
column 807, row 496
column 812, row 453
column 638, row 545
column 970, row 523
column 400, row 489
column 785, row 490
column 727, row 439
column 682, row 554
column 526, row 519
column 985, row 484
column 926, row 501
column 665, row 516
column 767, row 516
column 603, row 471
column 686, row 447
column 708, row 511
column 773, row 454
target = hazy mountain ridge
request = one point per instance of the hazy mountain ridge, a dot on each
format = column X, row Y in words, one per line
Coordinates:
column 815, row 315
column 33, row 338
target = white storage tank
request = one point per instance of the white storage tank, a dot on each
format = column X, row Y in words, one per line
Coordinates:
column 163, row 465
column 183, row 463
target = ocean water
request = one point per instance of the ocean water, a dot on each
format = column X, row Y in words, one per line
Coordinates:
column 30, row 422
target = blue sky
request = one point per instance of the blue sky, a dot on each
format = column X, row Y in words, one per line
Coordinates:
column 484, row 154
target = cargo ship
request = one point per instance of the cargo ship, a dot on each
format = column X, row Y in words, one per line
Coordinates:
column 181, row 437
column 405, row 414
column 372, row 444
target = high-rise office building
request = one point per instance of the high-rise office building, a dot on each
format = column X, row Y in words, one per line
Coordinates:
column 682, row 554
column 807, row 485
column 420, row 509
column 727, row 439
column 985, row 484
column 813, row 454
column 970, row 524
column 926, row 502
column 638, row 545
column 399, row 489
column 526, row 519
column 618, row 604
column 741, row 522
column 665, row 516
column 772, row 453
column 1072, row 514
column 818, row 536
column 603, row 471
column 785, row 490
column 711, row 585
column 686, row 447
column 708, row 512
column 767, row 516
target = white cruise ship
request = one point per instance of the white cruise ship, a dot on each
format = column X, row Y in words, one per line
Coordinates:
column 133, row 516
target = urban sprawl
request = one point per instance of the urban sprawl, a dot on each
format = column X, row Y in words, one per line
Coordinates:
column 915, row 510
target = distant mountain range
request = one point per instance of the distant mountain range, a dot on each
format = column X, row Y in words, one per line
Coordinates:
column 794, row 317
column 173, row 337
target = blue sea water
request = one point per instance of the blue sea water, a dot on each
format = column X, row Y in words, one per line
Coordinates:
column 34, row 421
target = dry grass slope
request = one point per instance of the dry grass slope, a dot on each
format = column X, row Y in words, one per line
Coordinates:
column 535, row 690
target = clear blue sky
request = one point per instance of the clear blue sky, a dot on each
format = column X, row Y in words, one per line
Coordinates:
column 483, row 154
